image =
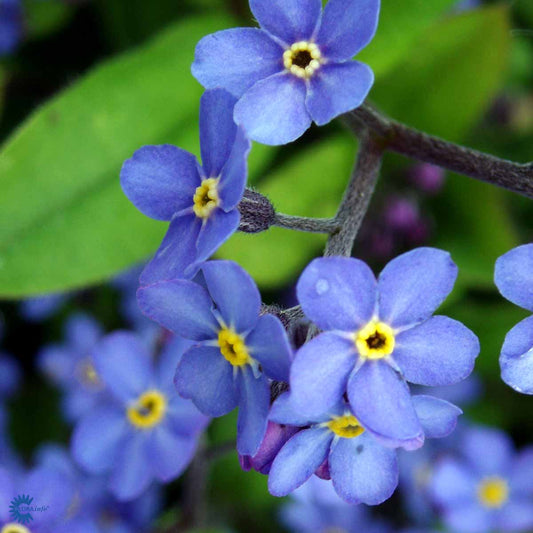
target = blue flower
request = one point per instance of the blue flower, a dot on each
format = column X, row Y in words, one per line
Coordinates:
column 489, row 488
column 42, row 307
column 315, row 507
column 49, row 490
column 378, row 335
column 361, row 468
column 10, row 375
column 93, row 507
column 237, row 350
column 146, row 431
column 514, row 278
column 69, row 365
column 167, row 183
column 10, row 25
column 296, row 69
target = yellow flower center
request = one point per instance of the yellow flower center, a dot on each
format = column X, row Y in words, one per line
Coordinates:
column 302, row 59
column 346, row 426
column 232, row 347
column 14, row 528
column 88, row 375
column 148, row 410
column 206, row 198
column 375, row 340
column 493, row 492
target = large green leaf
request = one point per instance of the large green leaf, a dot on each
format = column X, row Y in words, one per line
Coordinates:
column 64, row 221
column 451, row 74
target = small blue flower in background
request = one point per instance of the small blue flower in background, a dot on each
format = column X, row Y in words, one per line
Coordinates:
column 42, row 307
column 145, row 431
column 514, row 278
column 10, row 375
column 488, row 487
column 49, row 490
column 167, row 183
column 378, row 335
column 10, row 25
column 93, row 507
column 69, row 365
column 294, row 70
column 362, row 470
column 236, row 352
column 315, row 507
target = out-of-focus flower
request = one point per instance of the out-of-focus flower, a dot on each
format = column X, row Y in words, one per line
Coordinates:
column 295, row 69
column 236, row 350
column 10, row 25
column 146, row 431
column 428, row 178
column 10, row 375
column 70, row 366
column 167, row 183
column 379, row 335
column 514, row 278
column 489, row 488
column 42, row 307
column 315, row 507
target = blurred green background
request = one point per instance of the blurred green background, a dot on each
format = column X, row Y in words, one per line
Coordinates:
column 94, row 81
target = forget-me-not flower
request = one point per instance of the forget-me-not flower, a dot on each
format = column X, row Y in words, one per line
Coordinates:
column 10, row 25
column 236, row 350
column 378, row 335
column 297, row 68
column 362, row 470
column 514, row 278
column 146, row 431
column 167, row 183
column 489, row 488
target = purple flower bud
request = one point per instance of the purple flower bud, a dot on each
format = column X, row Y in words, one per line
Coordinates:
column 428, row 178
column 401, row 214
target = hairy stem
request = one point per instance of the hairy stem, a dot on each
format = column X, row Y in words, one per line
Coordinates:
column 311, row 225
column 418, row 145
column 357, row 196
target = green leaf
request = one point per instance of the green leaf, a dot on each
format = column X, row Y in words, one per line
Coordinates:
column 309, row 184
column 401, row 23
column 43, row 18
column 64, row 221
column 451, row 74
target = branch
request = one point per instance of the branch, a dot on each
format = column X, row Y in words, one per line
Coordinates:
column 357, row 196
column 415, row 144
column 310, row 225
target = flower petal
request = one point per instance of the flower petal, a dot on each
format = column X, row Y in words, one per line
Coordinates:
column 413, row 285
column 284, row 412
column 236, row 59
column 217, row 130
column 298, row 459
column 381, row 401
column 471, row 518
column 437, row 417
column 180, row 306
column 452, row 483
column 440, row 351
column 123, row 363
column 235, row 171
column 184, row 418
column 177, row 251
column 347, row 27
column 337, row 293
column 160, row 180
column 132, row 472
column 337, row 88
column 168, row 360
column 516, row 358
column 362, row 470
column 234, row 292
column 516, row 515
column 320, row 372
column 205, row 377
column 169, row 454
column 489, row 450
column 273, row 111
column 216, row 230
column 513, row 276
column 97, row 439
column 520, row 477
column 289, row 20
column 254, row 401
column 268, row 344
